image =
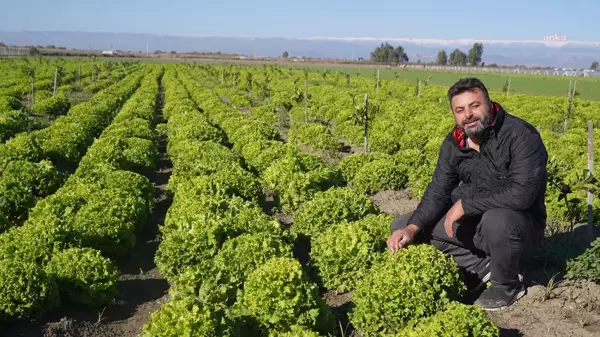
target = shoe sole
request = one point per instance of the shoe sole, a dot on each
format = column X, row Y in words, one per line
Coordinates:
column 519, row 296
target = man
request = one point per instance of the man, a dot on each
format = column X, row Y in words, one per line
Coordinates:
column 485, row 203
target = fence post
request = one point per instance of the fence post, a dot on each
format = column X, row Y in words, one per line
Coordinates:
column 590, row 196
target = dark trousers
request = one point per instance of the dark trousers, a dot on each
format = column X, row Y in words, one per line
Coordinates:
column 502, row 237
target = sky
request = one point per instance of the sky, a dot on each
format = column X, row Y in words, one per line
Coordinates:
column 577, row 20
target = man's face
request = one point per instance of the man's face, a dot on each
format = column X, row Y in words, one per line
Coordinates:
column 471, row 112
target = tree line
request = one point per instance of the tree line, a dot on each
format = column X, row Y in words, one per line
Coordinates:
column 459, row 58
column 386, row 53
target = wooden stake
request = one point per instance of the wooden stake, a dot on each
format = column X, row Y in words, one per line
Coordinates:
column 377, row 80
column 366, row 123
column 33, row 89
column 269, row 93
column 305, row 100
column 509, row 83
column 419, row 92
column 590, row 196
column 55, row 80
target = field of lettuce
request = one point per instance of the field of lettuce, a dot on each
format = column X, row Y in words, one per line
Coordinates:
column 268, row 192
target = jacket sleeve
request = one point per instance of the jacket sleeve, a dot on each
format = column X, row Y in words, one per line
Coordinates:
column 437, row 198
column 528, row 166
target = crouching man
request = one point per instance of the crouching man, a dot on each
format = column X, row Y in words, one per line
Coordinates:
column 485, row 203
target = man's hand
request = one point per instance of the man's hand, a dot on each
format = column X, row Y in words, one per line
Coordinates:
column 454, row 214
column 402, row 238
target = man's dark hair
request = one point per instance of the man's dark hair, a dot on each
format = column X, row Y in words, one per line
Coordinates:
column 468, row 84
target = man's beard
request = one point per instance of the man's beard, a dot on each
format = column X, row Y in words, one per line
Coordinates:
column 478, row 131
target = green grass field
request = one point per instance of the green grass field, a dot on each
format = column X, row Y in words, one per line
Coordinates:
column 588, row 88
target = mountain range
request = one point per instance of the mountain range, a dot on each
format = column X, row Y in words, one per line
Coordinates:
column 549, row 51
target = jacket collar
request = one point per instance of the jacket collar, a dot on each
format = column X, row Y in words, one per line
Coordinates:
column 460, row 138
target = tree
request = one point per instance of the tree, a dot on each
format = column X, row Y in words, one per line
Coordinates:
column 595, row 65
column 475, row 53
column 386, row 53
column 442, row 57
column 458, row 58
column 286, row 54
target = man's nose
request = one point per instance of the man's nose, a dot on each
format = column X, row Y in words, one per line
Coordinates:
column 468, row 114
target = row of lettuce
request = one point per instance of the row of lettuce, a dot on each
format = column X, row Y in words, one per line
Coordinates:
column 15, row 117
column 65, row 249
column 235, row 271
column 18, row 73
column 32, row 164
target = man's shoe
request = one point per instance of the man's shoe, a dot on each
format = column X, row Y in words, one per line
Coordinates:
column 497, row 298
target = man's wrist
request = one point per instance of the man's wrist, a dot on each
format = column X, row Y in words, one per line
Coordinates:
column 413, row 229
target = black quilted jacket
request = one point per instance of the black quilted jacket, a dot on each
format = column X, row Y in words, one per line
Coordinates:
column 509, row 172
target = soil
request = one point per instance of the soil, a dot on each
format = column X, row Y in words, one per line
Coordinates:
column 395, row 202
column 567, row 310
